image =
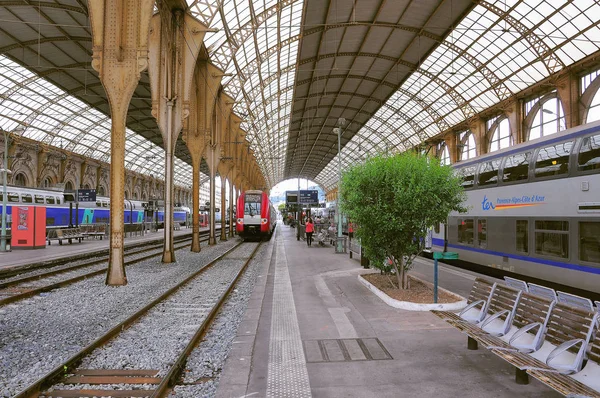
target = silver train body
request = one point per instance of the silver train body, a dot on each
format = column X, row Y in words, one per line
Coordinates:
column 537, row 214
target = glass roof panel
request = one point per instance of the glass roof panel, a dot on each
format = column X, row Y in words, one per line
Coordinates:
column 500, row 47
column 65, row 122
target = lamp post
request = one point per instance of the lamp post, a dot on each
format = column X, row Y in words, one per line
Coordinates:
column 5, row 173
column 339, row 247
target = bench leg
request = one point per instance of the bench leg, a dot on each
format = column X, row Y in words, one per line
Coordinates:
column 521, row 376
column 471, row 343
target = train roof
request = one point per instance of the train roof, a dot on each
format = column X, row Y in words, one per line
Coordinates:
column 560, row 136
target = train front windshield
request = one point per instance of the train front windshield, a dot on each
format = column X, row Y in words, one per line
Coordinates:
column 252, row 203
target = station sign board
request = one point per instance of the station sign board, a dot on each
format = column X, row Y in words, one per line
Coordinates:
column 86, row 195
column 291, row 197
column 309, row 196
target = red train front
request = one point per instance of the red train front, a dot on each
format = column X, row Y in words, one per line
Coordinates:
column 255, row 216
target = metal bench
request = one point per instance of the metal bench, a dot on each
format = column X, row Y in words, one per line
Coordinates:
column 569, row 331
column 529, row 324
column 495, row 318
column 61, row 234
column 477, row 303
column 93, row 230
column 582, row 384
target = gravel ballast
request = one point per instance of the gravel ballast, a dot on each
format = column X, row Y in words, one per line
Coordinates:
column 204, row 366
column 38, row 334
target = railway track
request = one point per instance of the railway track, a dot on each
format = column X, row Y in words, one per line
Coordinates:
column 163, row 333
column 34, row 282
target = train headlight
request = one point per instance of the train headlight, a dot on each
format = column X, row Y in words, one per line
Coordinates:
column 240, row 220
column 264, row 220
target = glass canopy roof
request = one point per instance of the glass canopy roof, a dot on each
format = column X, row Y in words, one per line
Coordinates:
column 58, row 119
column 497, row 50
column 257, row 43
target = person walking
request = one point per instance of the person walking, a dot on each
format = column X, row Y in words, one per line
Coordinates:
column 310, row 228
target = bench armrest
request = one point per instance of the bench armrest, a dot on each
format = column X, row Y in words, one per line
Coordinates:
column 573, row 367
column 537, row 341
column 495, row 316
column 471, row 306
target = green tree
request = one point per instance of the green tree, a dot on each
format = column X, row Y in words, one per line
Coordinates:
column 393, row 201
column 281, row 207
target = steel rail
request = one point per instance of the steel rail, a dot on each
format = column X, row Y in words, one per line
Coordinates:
column 59, row 372
column 7, row 273
column 137, row 250
column 179, row 364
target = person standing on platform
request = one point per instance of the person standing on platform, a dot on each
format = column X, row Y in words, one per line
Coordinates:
column 310, row 228
column 350, row 230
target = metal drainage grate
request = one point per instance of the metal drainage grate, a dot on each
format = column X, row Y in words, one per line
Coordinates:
column 344, row 350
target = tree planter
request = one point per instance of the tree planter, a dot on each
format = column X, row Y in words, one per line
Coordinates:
column 409, row 306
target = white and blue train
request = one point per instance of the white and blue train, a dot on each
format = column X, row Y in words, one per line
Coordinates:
column 61, row 210
column 533, row 210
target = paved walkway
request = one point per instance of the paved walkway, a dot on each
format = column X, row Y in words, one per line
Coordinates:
column 353, row 344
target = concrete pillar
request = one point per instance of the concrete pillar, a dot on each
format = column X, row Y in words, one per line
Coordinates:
column 174, row 43
column 451, row 141
column 568, row 93
column 120, row 43
column 514, row 112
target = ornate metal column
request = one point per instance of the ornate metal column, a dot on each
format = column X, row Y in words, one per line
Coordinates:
column 120, row 54
column 175, row 41
column 196, row 133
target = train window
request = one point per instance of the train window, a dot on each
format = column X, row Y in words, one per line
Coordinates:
column 589, row 241
column 13, row 197
column 39, row 199
column 552, row 238
column 589, row 154
column 436, row 228
column 553, row 160
column 488, row 172
column 516, row 167
column 522, row 244
column 98, row 204
column 50, row 200
column 482, row 233
column 57, row 200
column 104, row 204
column 465, row 231
column 468, row 176
column 26, row 198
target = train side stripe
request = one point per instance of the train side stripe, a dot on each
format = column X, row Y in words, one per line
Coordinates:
column 576, row 267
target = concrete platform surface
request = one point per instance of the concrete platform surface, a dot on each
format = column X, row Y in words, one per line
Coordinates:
column 23, row 257
column 312, row 330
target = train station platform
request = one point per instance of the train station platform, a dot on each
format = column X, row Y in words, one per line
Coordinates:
column 22, row 258
column 313, row 330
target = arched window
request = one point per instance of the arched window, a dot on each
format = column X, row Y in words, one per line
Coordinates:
column 144, row 197
column 47, row 182
column 501, row 137
column 444, row 155
column 549, row 119
column 20, row 180
column 101, row 191
column 86, row 186
column 69, row 186
column 467, row 141
column 126, row 195
column 594, row 110
column 135, row 196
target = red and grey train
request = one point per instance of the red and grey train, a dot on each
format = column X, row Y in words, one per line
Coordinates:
column 256, row 217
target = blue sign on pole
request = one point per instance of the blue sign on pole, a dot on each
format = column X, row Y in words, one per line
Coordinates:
column 309, row 196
